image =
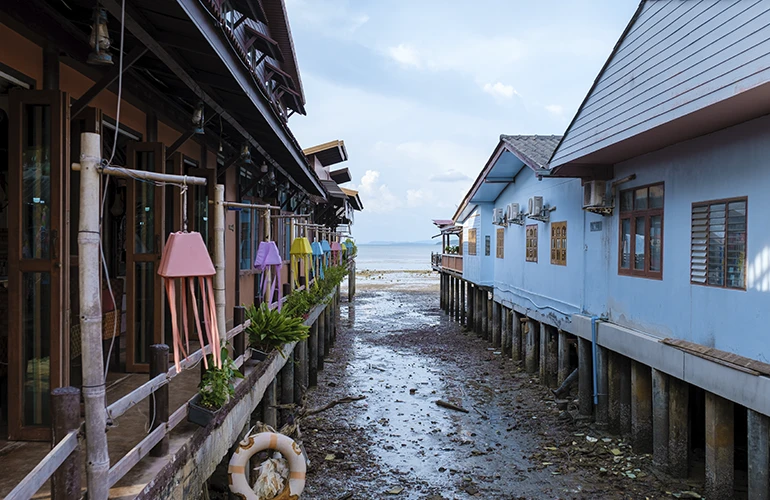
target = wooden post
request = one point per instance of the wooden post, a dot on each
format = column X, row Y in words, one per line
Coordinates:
column 458, row 304
column 219, row 260
column 65, row 417
column 496, row 336
column 269, row 413
column 97, row 456
column 287, row 386
column 159, row 399
column 300, row 370
column 328, row 330
column 240, row 340
column 463, row 310
column 351, row 279
column 471, row 307
column 516, row 342
column 505, row 326
column 564, row 366
column 313, row 356
column 321, row 340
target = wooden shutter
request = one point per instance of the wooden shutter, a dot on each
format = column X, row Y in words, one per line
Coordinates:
column 471, row 242
column 500, row 243
column 532, row 243
column 559, row 243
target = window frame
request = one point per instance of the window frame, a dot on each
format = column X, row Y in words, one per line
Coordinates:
column 472, row 241
column 558, row 261
column 632, row 215
column 726, row 202
column 534, row 240
column 500, row 243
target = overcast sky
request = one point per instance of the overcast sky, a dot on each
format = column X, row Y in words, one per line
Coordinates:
column 420, row 90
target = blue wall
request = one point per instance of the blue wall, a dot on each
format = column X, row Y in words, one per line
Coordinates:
column 726, row 164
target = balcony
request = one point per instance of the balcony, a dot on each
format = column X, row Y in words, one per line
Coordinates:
column 449, row 262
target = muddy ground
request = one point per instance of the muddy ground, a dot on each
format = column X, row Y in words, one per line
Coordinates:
column 400, row 351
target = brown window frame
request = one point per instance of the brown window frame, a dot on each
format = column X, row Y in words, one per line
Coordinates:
column 531, row 243
column 559, row 255
column 472, row 241
column 726, row 202
column 632, row 215
column 500, row 243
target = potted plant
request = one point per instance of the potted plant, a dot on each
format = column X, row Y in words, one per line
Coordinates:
column 270, row 329
column 214, row 391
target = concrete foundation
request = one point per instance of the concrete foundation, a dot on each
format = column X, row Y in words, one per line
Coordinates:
column 585, row 378
column 543, row 358
column 532, row 347
column 678, row 431
column 564, row 366
column 641, row 407
column 720, row 447
column 619, row 385
column 759, row 455
column 602, row 414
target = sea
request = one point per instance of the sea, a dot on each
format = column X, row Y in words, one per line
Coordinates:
column 396, row 268
column 395, row 257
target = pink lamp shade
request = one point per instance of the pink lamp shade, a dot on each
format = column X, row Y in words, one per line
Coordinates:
column 185, row 256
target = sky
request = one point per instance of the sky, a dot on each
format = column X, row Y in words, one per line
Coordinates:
column 420, row 91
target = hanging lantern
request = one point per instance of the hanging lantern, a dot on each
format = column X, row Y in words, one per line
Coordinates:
column 185, row 257
column 318, row 255
column 300, row 252
column 327, row 249
column 268, row 257
column 245, row 153
column 100, row 39
column 263, row 168
column 336, row 252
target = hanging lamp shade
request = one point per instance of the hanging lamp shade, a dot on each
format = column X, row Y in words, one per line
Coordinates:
column 269, row 258
column 300, row 251
column 327, row 249
column 186, row 258
column 336, row 252
column 318, row 255
column 317, row 250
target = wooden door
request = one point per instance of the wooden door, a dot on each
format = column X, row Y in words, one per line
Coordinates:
column 37, row 257
column 144, row 245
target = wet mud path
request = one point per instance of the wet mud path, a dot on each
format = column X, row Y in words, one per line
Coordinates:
column 399, row 350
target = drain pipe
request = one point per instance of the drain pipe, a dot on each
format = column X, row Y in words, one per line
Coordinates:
column 594, row 348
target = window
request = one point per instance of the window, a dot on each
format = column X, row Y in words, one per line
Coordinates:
column 244, row 218
column 500, row 243
column 718, row 248
column 641, row 232
column 471, row 242
column 486, row 245
column 559, row 243
column 532, row 243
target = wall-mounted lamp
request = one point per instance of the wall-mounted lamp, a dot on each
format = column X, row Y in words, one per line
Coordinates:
column 197, row 118
column 263, row 168
column 100, row 39
column 245, row 153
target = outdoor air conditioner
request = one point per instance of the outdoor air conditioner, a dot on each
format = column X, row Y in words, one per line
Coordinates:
column 497, row 216
column 535, row 205
column 513, row 211
column 595, row 194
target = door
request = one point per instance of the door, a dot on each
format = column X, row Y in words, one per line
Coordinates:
column 37, row 236
column 144, row 244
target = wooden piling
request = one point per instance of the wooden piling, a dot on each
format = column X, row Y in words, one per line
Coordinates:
column 159, row 399
column 313, row 356
column 516, row 329
column 65, row 417
column 531, row 353
column 269, row 412
column 505, row 327
column 585, row 379
column 463, row 307
column 497, row 332
column 552, row 356
column 321, row 340
column 470, row 323
column 287, row 386
column 564, row 355
column 300, row 370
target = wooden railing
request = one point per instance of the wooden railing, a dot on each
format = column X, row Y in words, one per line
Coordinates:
column 452, row 262
column 49, row 465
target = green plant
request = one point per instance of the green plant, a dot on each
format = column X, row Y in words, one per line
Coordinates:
column 355, row 248
column 300, row 302
column 271, row 328
column 216, row 385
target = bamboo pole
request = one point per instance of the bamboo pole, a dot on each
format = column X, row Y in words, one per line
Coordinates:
column 97, row 457
column 219, row 260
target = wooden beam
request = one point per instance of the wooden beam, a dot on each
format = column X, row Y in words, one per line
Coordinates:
column 232, row 161
column 109, row 77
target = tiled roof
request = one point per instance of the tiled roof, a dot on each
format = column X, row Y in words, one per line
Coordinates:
column 534, row 150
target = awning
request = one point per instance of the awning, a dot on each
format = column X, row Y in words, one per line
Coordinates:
column 333, row 189
column 341, row 176
column 328, row 153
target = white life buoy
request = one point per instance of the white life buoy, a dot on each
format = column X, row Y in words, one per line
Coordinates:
column 253, row 444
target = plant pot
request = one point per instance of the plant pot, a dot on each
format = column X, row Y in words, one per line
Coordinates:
column 258, row 355
column 198, row 414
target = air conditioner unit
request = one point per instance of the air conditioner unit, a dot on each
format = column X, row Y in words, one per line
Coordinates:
column 513, row 211
column 535, row 205
column 595, row 194
column 497, row 216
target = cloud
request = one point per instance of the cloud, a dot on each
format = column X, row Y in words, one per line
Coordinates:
column 499, row 89
column 449, row 176
column 555, row 109
column 378, row 197
column 405, row 55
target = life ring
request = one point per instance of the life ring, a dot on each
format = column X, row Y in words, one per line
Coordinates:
column 255, row 443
